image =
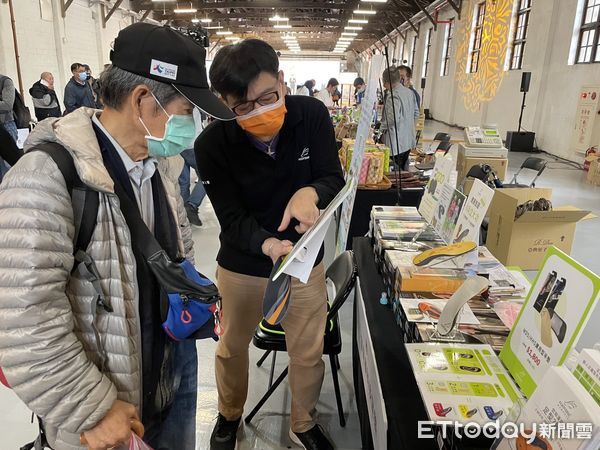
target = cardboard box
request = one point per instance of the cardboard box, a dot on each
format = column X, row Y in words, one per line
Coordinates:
column 464, row 164
column 593, row 175
column 523, row 242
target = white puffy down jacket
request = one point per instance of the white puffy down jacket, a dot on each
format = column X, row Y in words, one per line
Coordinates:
column 49, row 351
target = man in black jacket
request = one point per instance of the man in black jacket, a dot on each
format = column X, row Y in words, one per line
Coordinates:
column 78, row 92
column 45, row 100
column 267, row 175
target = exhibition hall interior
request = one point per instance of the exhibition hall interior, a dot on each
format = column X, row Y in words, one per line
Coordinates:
column 317, row 224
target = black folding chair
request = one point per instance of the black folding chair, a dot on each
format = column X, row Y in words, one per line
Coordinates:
column 342, row 272
column 531, row 163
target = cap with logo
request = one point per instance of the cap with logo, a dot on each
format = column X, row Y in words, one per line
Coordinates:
column 166, row 55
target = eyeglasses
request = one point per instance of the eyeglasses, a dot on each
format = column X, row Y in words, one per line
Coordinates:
column 246, row 107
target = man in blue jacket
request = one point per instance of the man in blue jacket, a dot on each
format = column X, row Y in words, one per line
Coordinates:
column 78, row 92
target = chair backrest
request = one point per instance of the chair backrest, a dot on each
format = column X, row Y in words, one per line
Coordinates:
column 477, row 172
column 342, row 272
column 533, row 163
column 442, row 137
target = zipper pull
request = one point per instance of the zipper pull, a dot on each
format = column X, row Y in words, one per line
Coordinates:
column 185, row 317
column 102, row 304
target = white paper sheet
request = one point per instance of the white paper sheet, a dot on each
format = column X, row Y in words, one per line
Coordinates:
column 299, row 253
column 302, row 265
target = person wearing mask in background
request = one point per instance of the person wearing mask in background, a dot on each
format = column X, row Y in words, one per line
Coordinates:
column 93, row 358
column 45, row 100
column 399, row 116
column 78, row 92
column 194, row 200
column 94, row 84
column 267, row 174
column 359, row 90
column 325, row 95
column 7, row 118
column 406, row 79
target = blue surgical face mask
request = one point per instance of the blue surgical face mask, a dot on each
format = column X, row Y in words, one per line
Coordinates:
column 83, row 76
column 180, row 132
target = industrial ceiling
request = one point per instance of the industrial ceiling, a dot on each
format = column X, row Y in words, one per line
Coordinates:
column 294, row 25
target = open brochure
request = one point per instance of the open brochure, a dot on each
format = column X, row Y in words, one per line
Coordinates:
column 299, row 262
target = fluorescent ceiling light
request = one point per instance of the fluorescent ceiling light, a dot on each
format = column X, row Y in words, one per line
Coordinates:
column 366, row 12
column 374, row 1
column 281, row 26
column 276, row 18
column 206, row 20
column 224, row 33
column 345, row 38
column 349, row 34
column 358, row 21
column 232, row 38
column 194, row 20
column 216, row 27
column 352, row 28
column 185, row 10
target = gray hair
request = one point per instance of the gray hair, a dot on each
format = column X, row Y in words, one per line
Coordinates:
column 391, row 75
column 116, row 84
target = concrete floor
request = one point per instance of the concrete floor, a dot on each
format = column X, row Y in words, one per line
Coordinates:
column 270, row 427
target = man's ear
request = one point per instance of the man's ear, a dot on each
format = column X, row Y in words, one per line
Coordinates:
column 281, row 77
column 139, row 94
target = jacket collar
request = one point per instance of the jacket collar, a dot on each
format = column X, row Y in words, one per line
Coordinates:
column 293, row 116
column 76, row 133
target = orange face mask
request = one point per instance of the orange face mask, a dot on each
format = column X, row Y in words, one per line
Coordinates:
column 264, row 122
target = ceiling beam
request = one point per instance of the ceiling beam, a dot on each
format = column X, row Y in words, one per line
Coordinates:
column 277, row 4
column 424, row 11
column 456, row 7
column 253, row 14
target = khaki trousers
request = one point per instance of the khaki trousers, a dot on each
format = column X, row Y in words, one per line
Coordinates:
column 304, row 326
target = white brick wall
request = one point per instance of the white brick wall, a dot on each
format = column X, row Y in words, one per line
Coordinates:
column 53, row 45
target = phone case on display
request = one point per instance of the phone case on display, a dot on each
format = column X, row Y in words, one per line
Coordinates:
column 557, row 291
column 559, row 327
column 546, row 328
column 540, row 301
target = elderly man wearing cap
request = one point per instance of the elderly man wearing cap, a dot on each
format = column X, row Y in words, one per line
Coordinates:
column 81, row 343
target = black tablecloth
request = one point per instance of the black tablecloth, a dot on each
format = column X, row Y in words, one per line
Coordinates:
column 365, row 200
column 403, row 403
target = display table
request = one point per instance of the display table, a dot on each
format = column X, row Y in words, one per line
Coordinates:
column 403, row 404
column 365, row 200
column 394, row 389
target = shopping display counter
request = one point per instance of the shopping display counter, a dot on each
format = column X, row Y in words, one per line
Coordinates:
column 365, row 200
column 389, row 398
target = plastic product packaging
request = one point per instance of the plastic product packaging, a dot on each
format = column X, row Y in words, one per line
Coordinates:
column 136, row 443
column 364, row 169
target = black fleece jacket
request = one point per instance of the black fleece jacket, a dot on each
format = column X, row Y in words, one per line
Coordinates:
column 250, row 190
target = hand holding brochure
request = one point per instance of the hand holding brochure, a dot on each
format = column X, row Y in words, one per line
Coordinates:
column 299, row 262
